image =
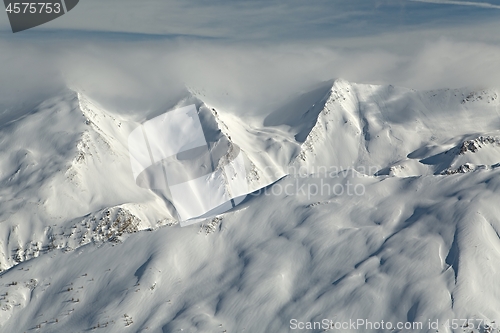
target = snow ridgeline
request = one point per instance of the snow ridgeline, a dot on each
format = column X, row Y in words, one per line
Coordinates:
column 60, row 177
column 420, row 244
column 65, row 164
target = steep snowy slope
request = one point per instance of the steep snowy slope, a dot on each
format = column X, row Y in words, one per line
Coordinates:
column 66, row 178
column 364, row 126
column 62, row 175
column 383, row 207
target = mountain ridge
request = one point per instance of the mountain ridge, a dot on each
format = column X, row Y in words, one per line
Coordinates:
column 82, row 245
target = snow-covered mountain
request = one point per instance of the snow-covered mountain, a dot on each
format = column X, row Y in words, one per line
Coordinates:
column 372, row 202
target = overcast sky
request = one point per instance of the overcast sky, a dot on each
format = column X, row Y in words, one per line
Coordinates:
column 270, row 20
column 250, row 53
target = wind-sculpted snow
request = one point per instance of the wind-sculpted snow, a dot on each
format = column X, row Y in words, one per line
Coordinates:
column 414, row 248
column 371, row 202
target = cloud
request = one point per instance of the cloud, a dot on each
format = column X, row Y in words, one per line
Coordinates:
column 141, row 77
column 460, row 3
column 141, row 72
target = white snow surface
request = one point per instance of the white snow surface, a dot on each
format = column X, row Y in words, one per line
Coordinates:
column 83, row 248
